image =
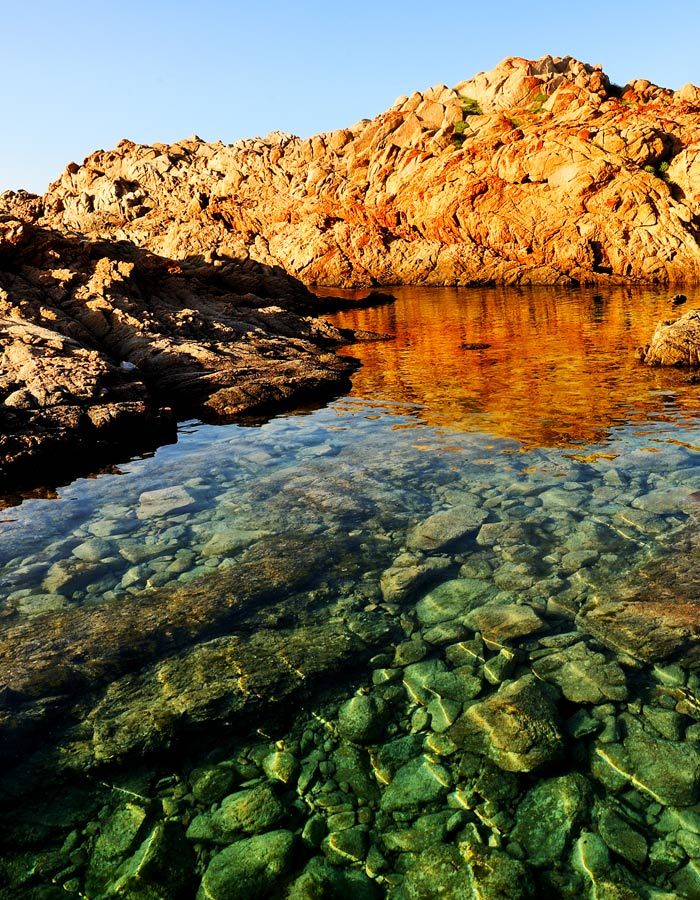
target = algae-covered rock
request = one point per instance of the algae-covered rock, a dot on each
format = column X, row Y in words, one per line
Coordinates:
column 415, row 784
column 245, row 812
column 161, row 869
column 352, row 766
column 503, row 622
column 210, row 784
column 390, row 757
column 248, row 869
column 549, row 816
column 446, row 527
column 437, row 872
column 518, row 727
column 346, row 846
column 451, row 599
column 322, row 881
column 493, row 875
column 620, row 837
column 408, row 573
column 280, row 766
column 666, row 771
column 362, row 718
column 583, row 675
column 119, row 836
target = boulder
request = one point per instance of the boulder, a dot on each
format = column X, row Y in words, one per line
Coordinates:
column 517, row 727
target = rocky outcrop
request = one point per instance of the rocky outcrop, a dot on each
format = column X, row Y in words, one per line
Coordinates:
column 101, row 341
column 538, row 171
column 675, row 342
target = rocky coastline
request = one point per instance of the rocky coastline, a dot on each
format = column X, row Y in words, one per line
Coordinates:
column 152, row 282
column 103, row 345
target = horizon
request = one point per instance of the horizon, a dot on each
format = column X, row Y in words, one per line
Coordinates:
column 229, row 74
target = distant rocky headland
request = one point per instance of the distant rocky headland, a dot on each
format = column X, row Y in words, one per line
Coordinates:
column 162, row 277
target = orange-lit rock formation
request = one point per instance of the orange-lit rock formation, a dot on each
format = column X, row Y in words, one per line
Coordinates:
column 540, row 172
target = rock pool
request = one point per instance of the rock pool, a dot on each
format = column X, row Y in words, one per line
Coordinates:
column 437, row 638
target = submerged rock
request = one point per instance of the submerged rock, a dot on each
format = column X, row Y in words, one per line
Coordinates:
column 415, row 784
column 517, row 727
column 583, row 675
column 550, row 815
column 248, row 869
column 666, row 771
column 362, row 719
column 446, row 527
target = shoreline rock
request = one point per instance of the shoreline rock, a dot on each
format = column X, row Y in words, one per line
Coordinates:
column 675, row 342
column 103, row 345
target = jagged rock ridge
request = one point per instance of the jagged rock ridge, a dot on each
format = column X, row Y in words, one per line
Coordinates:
column 538, row 171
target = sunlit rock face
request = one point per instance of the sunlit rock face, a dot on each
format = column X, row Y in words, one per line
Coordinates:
column 674, row 342
column 537, row 171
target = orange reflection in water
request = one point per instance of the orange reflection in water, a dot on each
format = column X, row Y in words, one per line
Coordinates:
column 559, row 369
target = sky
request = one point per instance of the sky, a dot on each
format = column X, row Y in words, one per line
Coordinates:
column 79, row 76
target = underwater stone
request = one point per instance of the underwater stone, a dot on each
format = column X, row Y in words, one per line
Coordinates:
column 687, row 880
column 648, row 630
column 518, row 727
column 352, row 767
column 248, row 869
column 443, row 713
column 583, row 675
column 503, row 622
column 163, row 501
column 408, row 573
column 620, row 837
column 590, row 856
column 665, row 857
column 549, row 815
column 211, row 784
column 451, row 600
column 437, row 872
column 362, row 719
column 409, row 652
column 667, row 771
column 493, row 875
column 577, row 559
column 314, row 831
column 322, row 881
column 445, row 633
column 223, row 543
column 500, row 666
column 446, row 527
column 118, row 838
column 280, row 766
column 416, row 783
column 94, row 550
column 390, row 757
column 161, row 869
column 250, row 811
column 346, row 846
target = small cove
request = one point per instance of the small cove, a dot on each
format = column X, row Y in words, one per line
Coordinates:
column 572, row 470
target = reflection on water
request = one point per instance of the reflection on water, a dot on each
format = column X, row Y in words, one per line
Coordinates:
column 548, row 367
column 422, row 642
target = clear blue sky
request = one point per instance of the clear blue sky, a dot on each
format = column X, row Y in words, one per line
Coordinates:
column 78, row 76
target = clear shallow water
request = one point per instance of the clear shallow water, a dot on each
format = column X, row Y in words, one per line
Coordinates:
column 571, row 468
